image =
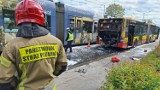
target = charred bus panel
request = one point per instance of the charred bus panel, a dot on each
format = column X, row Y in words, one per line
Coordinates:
column 110, row 31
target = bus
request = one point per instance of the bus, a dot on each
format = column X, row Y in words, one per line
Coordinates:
column 8, row 27
column 61, row 16
column 58, row 17
column 126, row 32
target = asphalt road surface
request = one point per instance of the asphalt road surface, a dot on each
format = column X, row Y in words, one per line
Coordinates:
column 91, row 76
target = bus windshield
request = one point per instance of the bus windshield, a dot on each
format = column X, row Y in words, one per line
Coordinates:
column 110, row 24
column 9, row 21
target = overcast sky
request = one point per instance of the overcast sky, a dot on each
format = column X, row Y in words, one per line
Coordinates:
column 139, row 9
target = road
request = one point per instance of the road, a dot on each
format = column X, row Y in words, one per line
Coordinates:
column 92, row 75
column 82, row 55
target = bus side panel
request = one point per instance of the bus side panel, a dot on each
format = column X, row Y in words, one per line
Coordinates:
column 60, row 28
column 124, row 43
column 50, row 11
column 144, row 39
column 77, row 15
column 144, row 34
column 53, row 23
column 67, row 17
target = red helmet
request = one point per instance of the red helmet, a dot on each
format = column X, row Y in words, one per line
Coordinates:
column 29, row 11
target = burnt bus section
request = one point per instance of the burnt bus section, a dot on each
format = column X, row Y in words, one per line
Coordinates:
column 110, row 38
column 110, row 31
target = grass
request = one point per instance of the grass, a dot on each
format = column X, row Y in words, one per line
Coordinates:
column 135, row 76
column 152, row 59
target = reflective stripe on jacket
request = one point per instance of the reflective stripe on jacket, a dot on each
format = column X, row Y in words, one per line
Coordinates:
column 71, row 37
column 36, row 60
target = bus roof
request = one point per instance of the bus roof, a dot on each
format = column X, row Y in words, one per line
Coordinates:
column 78, row 12
column 120, row 18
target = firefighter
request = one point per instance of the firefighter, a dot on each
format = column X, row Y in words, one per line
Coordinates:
column 34, row 58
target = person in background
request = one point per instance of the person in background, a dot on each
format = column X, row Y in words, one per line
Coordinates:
column 34, row 58
column 69, row 40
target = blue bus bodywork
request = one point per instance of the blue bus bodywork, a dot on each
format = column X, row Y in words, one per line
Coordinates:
column 59, row 16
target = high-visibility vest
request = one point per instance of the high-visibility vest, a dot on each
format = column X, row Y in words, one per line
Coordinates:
column 71, row 37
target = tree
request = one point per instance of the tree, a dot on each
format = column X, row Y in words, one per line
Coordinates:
column 10, row 4
column 115, row 10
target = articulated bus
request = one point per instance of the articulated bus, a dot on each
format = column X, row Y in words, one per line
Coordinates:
column 59, row 17
column 126, row 32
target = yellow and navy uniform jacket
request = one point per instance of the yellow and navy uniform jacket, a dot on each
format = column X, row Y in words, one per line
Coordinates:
column 33, row 62
column 70, row 36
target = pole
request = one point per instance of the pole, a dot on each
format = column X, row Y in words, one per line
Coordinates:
column 143, row 16
column 104, row 9
column 114, row 9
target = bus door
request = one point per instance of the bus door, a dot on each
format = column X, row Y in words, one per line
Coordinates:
column 78, row 30
column 148, row 33
column 94, row 31
column 131, row 30
column 88, row 30
column 60, row 20
column 140, row 34
column 144, row 33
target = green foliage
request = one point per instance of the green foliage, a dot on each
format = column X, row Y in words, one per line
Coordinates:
column 152, row 60
column 132, row 76
column 115, row 10
column 10, row 4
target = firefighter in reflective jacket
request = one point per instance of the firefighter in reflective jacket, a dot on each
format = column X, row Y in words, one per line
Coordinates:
column 69, row 40
column 33, row 59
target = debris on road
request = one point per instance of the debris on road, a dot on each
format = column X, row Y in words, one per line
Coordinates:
column 135, row 58
column 81, row 70
column 115, row 59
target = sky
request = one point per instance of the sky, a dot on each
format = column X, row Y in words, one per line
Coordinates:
column 139, row 9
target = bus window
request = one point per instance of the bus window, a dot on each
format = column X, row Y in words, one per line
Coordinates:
column 126, row 33
column 87, row 27
column 48, row 26
column 71, row 25
column 156, row 31
column 152, row 30
column 111, row 25
column 78, row 26
column 145, row 28
column 9, row 21
column 137, row 30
